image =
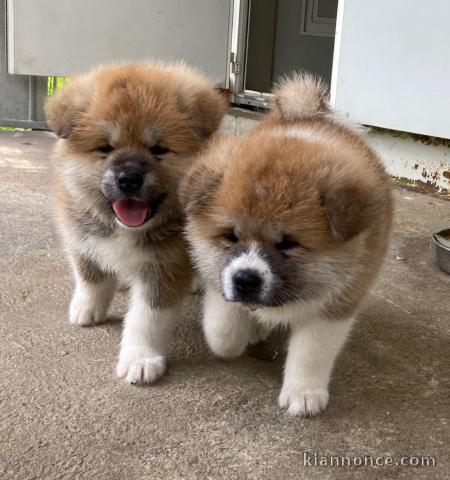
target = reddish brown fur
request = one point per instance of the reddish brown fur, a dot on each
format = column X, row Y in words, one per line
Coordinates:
column 127, row 135
column 289, row 226
column 332, row 196
column 182, row 108
column 127, row 105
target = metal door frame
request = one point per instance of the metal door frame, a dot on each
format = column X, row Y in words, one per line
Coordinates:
column 239, row 47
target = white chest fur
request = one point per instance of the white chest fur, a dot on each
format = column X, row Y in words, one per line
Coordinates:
column 121, row 254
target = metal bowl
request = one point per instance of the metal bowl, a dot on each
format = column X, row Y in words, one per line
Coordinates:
column 441, row 239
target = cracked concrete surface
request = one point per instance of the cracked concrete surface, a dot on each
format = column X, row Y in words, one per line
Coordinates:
column 64, row 415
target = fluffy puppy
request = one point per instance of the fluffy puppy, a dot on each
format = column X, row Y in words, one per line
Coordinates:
column 127, row 134
column 289, row 226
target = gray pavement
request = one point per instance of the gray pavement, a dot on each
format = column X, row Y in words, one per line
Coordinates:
column 64, row 415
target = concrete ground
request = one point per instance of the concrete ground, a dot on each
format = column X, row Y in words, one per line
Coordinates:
column 64, row 415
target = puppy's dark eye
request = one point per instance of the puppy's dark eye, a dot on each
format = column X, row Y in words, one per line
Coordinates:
column 158, row 151
column 287, row 243
column 106, row 148
column 231, row 237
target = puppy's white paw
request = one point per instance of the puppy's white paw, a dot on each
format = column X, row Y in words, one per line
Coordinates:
column 145, row 369
column 83, row 315
column 302, row 401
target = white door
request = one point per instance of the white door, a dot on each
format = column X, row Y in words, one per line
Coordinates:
column 63, row 37
column 391, row 64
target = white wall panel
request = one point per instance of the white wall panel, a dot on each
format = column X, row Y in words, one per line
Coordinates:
column 392, row 64
column 62, row 37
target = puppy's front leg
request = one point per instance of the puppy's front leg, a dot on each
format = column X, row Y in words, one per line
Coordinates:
column 313, row 348
column 227, row 326
column 93, row 293
column 146, row 337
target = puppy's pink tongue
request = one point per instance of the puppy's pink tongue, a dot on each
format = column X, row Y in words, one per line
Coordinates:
column 131, row 212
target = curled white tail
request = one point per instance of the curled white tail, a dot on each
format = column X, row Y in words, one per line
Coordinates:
column 301, row 95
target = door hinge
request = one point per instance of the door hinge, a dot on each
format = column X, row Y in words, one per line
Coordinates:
column 235, row 66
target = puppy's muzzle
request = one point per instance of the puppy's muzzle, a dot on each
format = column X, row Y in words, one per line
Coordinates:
column 129, row 170
column 247, row 285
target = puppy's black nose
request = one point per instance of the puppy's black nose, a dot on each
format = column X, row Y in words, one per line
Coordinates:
column 130, row 182
column 247, row 283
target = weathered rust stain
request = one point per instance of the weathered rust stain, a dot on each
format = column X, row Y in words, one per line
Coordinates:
column 420, row 186
column 425, row 139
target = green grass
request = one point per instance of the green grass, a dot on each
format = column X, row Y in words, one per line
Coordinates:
column 55, row 83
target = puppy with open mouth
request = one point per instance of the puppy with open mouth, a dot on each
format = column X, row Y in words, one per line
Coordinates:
column 127, row 135
column 289, row 226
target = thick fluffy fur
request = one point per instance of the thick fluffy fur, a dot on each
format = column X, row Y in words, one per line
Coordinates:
column 145, row 120
column 290, row 226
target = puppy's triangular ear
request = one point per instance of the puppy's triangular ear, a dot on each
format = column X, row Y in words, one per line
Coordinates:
column 198, row 186
column 204, row 105
column 348, row 210
column 210, row 106
column 65, row 109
